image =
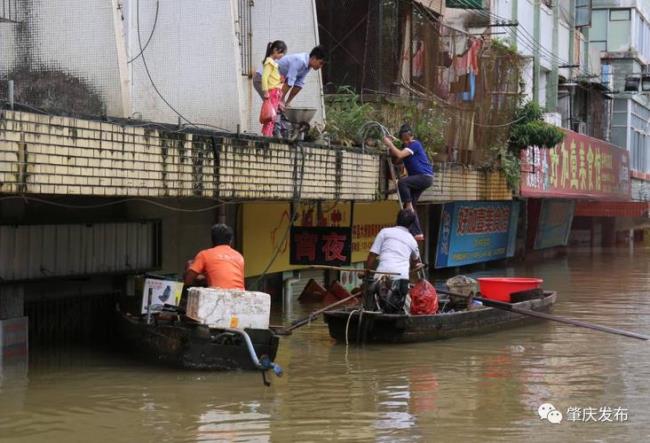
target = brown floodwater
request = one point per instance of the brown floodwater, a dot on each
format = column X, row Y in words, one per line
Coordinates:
column 481, row 388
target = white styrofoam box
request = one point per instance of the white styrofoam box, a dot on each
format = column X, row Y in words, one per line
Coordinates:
column 229, row 308
column 162, row 292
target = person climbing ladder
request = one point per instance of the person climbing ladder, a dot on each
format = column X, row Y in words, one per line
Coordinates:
column 419, row 169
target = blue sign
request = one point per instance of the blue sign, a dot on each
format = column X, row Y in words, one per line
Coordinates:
column 554, row 227
column 476, row 232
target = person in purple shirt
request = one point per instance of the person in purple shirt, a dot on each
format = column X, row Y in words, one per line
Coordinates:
column 294, row 68
column 419, row 169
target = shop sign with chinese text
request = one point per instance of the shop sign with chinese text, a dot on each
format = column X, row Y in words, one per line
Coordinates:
column 475, row 232
column 579, row 167
column 320, row 246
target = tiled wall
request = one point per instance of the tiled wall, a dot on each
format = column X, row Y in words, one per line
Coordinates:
column 460, row 183
column 42, row 154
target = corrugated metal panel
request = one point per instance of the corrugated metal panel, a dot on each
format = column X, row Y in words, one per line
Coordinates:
column 29, row 252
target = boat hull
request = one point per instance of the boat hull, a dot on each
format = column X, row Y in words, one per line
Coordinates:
column 194, row 346
column 372, row 327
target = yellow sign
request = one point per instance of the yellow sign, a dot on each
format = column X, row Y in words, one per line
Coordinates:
column 265, row 231
column 369, row 219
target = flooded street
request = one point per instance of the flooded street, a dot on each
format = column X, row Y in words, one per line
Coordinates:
column 483, row 387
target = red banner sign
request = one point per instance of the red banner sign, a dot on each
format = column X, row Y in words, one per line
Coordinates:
column 579, row 167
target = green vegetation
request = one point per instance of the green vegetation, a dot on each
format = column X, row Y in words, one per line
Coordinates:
column 530, row 130
column 510, row 165
column 346, row 114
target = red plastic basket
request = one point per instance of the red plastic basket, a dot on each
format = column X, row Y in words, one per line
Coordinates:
column 500, row 288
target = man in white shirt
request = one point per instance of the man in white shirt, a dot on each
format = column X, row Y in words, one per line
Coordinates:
column 397, row 252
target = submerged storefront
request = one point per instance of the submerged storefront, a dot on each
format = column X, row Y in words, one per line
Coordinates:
column 279, row 254
column 580, row 171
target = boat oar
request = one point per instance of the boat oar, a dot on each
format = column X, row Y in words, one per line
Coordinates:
column 303, row 321
column 338, row 268
column 569, row 321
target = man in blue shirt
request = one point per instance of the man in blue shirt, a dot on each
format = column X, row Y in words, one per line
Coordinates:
column 294, row 68
column 419, row 169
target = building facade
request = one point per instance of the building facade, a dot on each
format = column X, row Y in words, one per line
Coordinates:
column 621, row 32
column 189, row 62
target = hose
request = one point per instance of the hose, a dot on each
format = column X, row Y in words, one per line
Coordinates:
column 369, row 126
column 263, row 365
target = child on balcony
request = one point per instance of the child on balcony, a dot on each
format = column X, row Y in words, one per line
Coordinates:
column 272, row 81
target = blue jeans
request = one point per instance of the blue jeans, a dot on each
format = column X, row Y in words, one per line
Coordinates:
column 410, row 189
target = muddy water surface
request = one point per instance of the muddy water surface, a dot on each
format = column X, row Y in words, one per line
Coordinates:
column 482, row 388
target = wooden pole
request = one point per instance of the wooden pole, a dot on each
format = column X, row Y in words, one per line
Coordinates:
column 569, row 321
column 337, row 268
column 303, row 321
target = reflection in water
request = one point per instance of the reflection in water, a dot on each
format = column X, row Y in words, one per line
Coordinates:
column 482, row 387
column 220, row 425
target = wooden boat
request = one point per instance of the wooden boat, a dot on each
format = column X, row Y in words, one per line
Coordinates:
column 355, row 326
column 186, row 344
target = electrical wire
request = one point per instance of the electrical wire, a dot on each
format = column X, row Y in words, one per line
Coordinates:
column 292, row 219
column 153, row 83
column 528, row 40
column 116, row 202
column 153, row 29
column 525, row 37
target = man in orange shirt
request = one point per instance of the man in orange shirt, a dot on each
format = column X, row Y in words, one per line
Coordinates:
column 222, row 266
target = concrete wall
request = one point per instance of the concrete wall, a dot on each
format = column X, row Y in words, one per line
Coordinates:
column 194, row 57
column 73, row 38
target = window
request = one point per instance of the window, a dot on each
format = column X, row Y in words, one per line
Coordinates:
column 617, row 15
column 598, row 30
column 640, row 33
column 583, row 13
column 619, row 30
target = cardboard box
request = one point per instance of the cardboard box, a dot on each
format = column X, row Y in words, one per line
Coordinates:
column 162, row 292
column 229, row 308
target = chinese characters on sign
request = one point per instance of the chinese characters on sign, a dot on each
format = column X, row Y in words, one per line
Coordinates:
column 475, row 232
column 320, row 246
column 364, row 235
column 603, row 414
column 580, row 166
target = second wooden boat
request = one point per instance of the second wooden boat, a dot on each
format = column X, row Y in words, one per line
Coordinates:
column 357, row 326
